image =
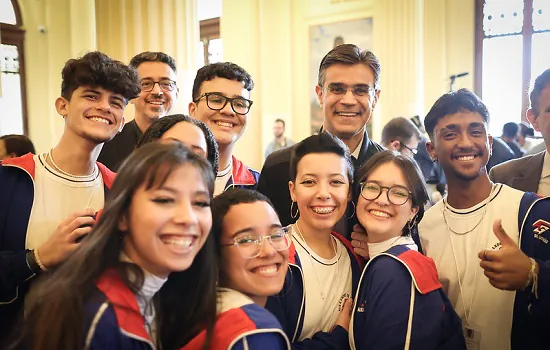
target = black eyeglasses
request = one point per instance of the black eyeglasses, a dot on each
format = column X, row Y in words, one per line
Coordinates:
column 412, row 150
column 250, row 244
column 164, row 84
column 397, row 195
column 217, row 101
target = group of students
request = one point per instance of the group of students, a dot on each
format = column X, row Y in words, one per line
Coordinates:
column 156, row 257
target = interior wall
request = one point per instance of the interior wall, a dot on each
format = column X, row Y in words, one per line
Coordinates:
column 56, row 30
column 420, row 44
column 128, row 27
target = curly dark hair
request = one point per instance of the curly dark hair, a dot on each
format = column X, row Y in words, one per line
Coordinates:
column 162, row 125
column 99, row 70
column 225, row 70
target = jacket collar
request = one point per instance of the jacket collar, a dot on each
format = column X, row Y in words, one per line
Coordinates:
column 294, row 259
column 26, row 162
column 530, row 173
column 124, row 302
column 241, row 175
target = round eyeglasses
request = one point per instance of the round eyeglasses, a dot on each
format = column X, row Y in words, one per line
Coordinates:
column 216, row 101
column 250, row 244
column 164, row 84
column 397, row 195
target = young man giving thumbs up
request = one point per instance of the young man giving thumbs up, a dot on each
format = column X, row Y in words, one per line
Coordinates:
column 488, row 241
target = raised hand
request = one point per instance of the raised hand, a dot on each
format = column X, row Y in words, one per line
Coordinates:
column 507, row 268
column 359, row 241
column 64, row 240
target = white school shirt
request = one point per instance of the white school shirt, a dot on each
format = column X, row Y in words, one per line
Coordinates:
column 490, row 310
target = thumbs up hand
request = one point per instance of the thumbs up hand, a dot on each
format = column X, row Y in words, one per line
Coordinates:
column 507, row 268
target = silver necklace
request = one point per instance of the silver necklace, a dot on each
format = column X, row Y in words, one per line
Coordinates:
column 225, row 171
column 485, row 203
column 299, row 231
column 94, row 172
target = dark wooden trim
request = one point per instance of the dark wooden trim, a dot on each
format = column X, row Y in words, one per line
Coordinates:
column 17, row 10
column 210, row 29
column 527, row 46
column 15, row 35
column 479, row 35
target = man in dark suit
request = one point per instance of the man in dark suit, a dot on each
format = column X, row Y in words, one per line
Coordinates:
column 531, row 173
column 348, row 90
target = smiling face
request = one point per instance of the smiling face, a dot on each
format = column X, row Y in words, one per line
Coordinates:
column 381, row 219
column 263, row 275
column 461, row 145
column 93, row 113
column 188, row 134
column 346, row 113
column 321, row 190
column 226, row 125
column 156, row 103
column 166, row 226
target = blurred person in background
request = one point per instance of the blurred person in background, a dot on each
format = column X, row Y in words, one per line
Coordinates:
column 12, row 146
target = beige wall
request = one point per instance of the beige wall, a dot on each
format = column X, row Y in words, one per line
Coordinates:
column 69, row 31
column 420, row 44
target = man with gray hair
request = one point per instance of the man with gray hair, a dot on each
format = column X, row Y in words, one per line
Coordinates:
column 157, row 76
column 348, row 89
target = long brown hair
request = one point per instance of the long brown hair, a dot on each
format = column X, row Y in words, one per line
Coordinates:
column 186, row 303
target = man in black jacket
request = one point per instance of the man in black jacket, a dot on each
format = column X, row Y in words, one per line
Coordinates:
column 348, row 90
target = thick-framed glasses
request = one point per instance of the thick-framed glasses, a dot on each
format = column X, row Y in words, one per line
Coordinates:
column 217, row 102
column 412, row 150
column 250, row 245
column 397, row 195
column 360, row 90
column 164, row 84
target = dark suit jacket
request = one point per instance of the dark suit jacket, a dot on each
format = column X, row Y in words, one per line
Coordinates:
column 522, row 174
column 119, row 148
column 276, row 175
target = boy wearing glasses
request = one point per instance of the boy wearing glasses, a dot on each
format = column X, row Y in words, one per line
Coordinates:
column 221, row 99
column 157, row 76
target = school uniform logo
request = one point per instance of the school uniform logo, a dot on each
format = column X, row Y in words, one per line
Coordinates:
column 539, row 228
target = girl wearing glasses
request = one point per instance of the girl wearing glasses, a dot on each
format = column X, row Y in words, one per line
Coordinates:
column 400, row 303
column 253, row 254
column 128, row 285
column 314, row 307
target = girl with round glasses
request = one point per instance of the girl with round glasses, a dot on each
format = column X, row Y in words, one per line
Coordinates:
column 145, row 276
column 314, row 306
column 400, row 303
column 252, row 251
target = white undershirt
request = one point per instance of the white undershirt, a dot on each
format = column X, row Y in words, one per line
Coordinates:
column 544, row 181
column 381, row 247
column 222, row 178
column 56, row 196
column 151, row 285
column 489, row 309
column 331, row 277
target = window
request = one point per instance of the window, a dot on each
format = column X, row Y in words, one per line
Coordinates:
column 13, row 107
column 210, row 45
column 512, row 40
